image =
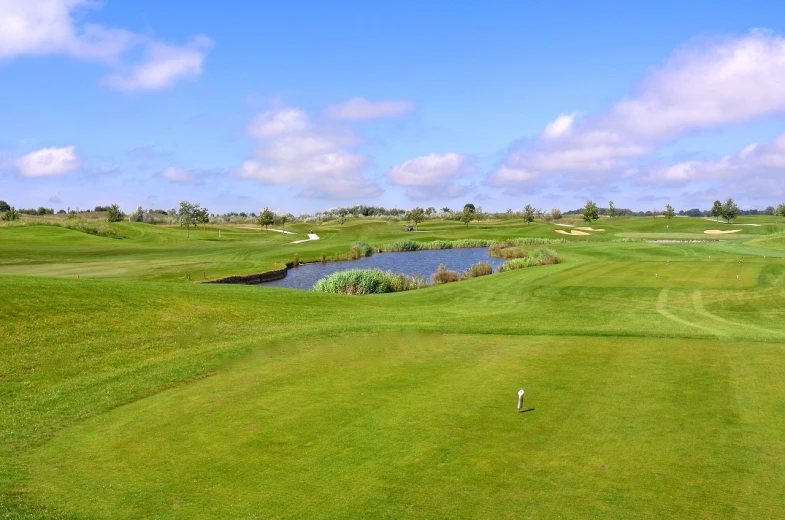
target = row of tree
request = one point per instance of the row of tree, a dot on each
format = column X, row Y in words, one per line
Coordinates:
column 191, row 214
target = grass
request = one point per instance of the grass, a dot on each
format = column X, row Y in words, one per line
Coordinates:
column 130, row 395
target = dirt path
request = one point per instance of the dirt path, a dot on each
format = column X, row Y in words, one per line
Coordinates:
column 311, row 236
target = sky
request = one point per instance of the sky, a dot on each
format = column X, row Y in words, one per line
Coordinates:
column 304, row 106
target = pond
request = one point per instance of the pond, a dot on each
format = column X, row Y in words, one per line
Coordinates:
column 408, row 262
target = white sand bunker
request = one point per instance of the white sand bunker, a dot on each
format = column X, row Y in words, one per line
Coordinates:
column 721, row 231
column 573, row 232
column 589, row 229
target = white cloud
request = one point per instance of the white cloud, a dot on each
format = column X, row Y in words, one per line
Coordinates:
column 559, row 127
column 429, row 170
column 180, row 176
column 294, row 151
column 756, row 160
column 707, row 84
column 432, row 175
column 40, row 27
column 274, row 123
column 362, row 109
column 48, row 162
column 163, row 65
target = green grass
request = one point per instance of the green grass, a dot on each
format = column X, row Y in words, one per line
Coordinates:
column 134, row 397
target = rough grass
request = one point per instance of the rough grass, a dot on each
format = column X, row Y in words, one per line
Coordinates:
column 91, row 227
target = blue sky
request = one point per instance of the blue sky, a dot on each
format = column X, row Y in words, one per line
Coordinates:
column 303, row 106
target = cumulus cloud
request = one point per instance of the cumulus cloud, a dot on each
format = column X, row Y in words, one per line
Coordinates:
column 766, row 160
column 362, row 109
column 181, row 176
column 48, row 162
column 40, row 27
column 707, row 84
column 432, row 175
column 294, row 151
column 164, row 64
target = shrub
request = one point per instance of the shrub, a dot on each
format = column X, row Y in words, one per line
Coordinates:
column 478, row 269
column 323, row 258
column 367, row 281
column 115, row 213
column 296, row 260
column 11, row 214
column 444, row 275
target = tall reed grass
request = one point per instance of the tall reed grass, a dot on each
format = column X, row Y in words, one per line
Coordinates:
column 368, row 281
column 478, row 269
column 542, row 256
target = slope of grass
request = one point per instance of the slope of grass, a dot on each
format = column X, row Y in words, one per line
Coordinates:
column 650, row 397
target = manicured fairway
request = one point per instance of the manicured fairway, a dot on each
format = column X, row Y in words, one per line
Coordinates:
column 136, row 396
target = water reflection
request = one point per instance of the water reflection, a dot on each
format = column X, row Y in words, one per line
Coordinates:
column 409, row 262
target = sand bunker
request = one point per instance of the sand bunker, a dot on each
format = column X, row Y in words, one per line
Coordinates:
column 588, row 229
column 721, row 231
column 573, row 233
column 565, row 225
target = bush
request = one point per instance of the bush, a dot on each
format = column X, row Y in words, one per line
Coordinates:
column 115, row 214
column 296, row 260
column 367, row 281
column 478, row 269
column 444, row 275
column 11, row 214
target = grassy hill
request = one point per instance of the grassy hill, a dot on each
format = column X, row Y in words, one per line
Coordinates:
column 131, row 393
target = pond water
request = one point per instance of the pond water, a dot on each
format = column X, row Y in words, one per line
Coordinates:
column 408, row 262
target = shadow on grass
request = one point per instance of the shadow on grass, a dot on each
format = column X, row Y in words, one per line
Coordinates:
column 527, row 410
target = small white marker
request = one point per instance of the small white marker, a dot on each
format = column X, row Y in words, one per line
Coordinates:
column 520, row 399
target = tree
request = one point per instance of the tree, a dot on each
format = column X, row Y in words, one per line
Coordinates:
column 342, row 214
column 611, row 209
column 4, row 206
column 528, row 214
column 556, row 213
column 478, row 214
column 115, row 213
column 11, row 214
column 201, row 215
column 446, row 210
column 780, row 211
column 430, row 210
column 730, row 210
column 187, row 215
column 716, row 210
column 284, row 219
column 590, row 211
column 470, row 206
column 467, row 215
column 669, row 213
column 266, row 218
column 417, row 215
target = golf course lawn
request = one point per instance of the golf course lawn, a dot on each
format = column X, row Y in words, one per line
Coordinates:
column 132, row 393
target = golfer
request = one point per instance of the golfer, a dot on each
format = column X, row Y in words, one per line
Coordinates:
column 520, row 399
